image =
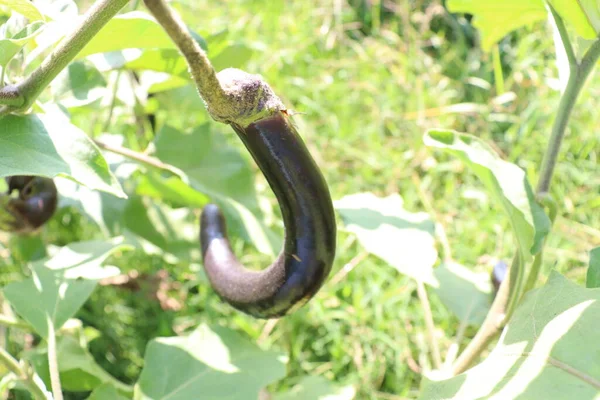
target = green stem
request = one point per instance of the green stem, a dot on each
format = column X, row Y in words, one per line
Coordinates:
column 507, row 298
column 498, row 76
column 536, row 267
column 31, row 381
column 53, row 361
column 577, row 79
column 67, row 49
column 13, row 323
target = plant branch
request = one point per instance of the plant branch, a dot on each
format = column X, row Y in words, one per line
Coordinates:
column 201, row 69
column 30, row 380
column 433, row 344
column 67, row 49
column 564, row 38
column 13, row 323
column 499, row 313
column 577, row 79
column 53, row 361
column 139, row 157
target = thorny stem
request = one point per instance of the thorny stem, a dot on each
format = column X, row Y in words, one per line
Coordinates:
column 497, row 316
column 32, row 381
column 29, row 89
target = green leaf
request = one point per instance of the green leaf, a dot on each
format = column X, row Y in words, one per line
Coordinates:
column 401, row 238
column 104, row 209
column 466, row 293
column 218, row 170
column 496, row 18
column 583, row 15
column 128, row 31
column 49, row 145
column 11, row 46
column 59, row 286
column 172, row 190
column 23, row 7
column 210, row 363
column 504, row 181
column 548, row 350
column 106, row 392
column 79, row 372
column 593, row 272
column 317, row 388
column 173, row 231
column 79, row 84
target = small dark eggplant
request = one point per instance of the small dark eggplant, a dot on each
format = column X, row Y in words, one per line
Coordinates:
column 36, row 203
column 310, row 229
column 498, row 275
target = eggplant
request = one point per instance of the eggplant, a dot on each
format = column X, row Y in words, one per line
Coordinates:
column 36, row 203
column 308, row 252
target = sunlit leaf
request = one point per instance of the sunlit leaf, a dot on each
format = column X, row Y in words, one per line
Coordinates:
column 59, row 286
column 317, row 388
column 401, row 238
column 210, row 363
column 106, row 392
column 79, row 84
column 593, row 272
column 219, row 171
column 466, row 293
column 79, row 372
column 175, row 231
column 23, row 7
column 548, row 350
column 11, row 46
column 49, row 145
column 496, row 18
column 505, row 181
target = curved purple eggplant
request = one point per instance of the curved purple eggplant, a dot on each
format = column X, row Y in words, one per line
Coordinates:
column 310, row 229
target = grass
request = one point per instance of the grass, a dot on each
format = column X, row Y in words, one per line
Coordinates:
column 369, row 83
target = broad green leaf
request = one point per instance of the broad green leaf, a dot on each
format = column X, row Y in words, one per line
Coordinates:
column 79, row 372
column 219, row 171
column 172, row 190
column 11, row 46
column 317, row 388
column 49, row 145
column 235, row 55
column 79, row 84
column 131, row 30
column 401, row 238
column 583, row 15
column 504, row 181
column 175, row 231
column 593, row 272
column 59, row 286
column 23, row 7
column 104, row 209
column 496, row 18
column 466, row 293
column 106, row 392
column 548, row 350
column 210, row 363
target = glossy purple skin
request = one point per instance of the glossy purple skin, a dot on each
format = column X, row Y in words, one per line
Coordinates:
column 310, row 230
column 35, row 204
